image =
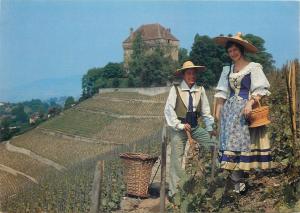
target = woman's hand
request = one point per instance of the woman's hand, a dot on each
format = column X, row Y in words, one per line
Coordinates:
column 219, row 104
column 248, row 107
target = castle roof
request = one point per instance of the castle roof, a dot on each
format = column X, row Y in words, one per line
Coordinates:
column 152, row 32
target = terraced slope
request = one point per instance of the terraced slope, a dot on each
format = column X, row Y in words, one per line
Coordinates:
column 90, row 129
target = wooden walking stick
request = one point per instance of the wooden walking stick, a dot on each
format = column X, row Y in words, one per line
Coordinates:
column 214, row 154
column 193, row 155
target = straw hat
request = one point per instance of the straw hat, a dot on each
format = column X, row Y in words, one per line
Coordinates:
column 222, row 40
column 189, row 65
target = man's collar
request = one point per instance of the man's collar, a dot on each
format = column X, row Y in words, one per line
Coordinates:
column 185, row 87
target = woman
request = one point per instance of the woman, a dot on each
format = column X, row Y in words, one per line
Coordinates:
column 241, row 86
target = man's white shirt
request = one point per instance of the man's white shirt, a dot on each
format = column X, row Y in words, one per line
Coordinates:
column 197, row 92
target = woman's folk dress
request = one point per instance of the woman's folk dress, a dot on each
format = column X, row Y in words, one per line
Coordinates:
column 241, row 147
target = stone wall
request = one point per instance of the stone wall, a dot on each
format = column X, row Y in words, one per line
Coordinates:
column 141, row 90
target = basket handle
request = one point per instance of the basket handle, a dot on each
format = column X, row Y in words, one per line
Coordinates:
column 259, row 103
column 257, row 100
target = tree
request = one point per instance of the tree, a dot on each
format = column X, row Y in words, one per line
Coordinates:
column 115, row 82
column 88, row 82
column 4, row 130
column 150, row 66
column 35, row 105
column 206, row 52
column 183, row 55
column 19, row 113
column 101, row 78
column 113, row 70
column 69, row 102
column 137, row 58
column 262, row 57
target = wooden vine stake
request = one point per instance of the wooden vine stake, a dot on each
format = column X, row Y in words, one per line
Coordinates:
column 292, row 79
column 165, row 139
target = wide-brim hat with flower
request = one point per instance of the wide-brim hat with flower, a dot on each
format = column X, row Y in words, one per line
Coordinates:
column 189, row 65
column 222, row 40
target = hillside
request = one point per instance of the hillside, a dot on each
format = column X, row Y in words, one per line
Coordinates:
column 51, row 168
column 96, row 127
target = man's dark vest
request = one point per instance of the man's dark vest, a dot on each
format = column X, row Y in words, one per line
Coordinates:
column 181, row 109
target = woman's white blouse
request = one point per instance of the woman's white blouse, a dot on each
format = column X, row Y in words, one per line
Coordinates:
column 259, row 83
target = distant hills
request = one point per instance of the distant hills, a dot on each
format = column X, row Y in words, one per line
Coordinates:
column 43, row 89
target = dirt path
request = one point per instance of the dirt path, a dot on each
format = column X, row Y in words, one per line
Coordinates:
column 16, row 173
column 13, row 148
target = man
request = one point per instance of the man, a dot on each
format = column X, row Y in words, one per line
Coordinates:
column 186, row 102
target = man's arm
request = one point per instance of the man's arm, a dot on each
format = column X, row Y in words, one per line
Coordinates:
column 170, row 113
column 205, row 111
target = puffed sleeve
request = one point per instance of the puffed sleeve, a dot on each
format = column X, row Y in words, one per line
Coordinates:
column 259, row 83
column 222, row 89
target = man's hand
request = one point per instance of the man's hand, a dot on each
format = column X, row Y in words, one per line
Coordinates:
column 187, row 127
column 213, row 133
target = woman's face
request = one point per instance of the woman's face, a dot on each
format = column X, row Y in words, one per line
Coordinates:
column 234, row 53
column 190, row 77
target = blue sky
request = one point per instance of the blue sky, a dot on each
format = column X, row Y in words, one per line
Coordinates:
column 41, row 41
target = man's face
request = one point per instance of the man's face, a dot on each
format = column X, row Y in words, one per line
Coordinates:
column 190, row 77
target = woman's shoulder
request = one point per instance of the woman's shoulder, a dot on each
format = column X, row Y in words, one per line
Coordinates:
column 255, row 66
column 225, row 70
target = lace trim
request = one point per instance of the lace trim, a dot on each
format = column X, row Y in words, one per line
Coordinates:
column 247, row 69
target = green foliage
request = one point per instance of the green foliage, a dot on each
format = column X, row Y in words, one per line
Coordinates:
column 113, row 70
column 17, row 116
column 150, row 67
column 262, row 57
column 36, row 105
column 20, row 114
column 4, row 130
column 206, row 52
column 197, row 192
column 96, row 78
column 279, row 129
column 69, row 102
column 183, row 55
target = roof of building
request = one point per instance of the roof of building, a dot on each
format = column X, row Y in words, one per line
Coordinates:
column 151, row 32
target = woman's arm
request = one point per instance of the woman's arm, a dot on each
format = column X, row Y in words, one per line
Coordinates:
column 222, row 91
column 219, row 104
column 259, row 88
column 249, row 105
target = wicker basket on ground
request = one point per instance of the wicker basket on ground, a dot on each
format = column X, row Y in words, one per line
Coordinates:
column 137, row 172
